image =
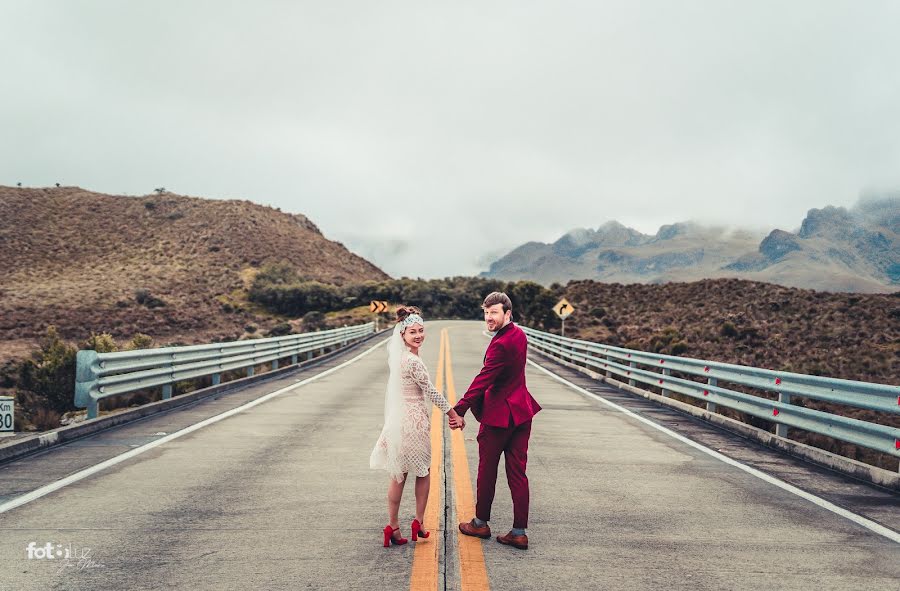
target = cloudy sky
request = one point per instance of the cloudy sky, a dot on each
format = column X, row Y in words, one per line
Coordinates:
column 433, row 137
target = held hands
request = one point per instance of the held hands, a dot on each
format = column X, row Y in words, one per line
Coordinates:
column 456, row 421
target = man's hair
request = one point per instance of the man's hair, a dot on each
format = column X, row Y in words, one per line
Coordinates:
column 497, row 297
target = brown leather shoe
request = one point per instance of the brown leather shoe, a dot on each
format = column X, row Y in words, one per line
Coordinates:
column 510, row 539
column 470, row 529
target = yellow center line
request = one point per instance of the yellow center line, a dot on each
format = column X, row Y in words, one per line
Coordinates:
column 424, row 573
column 472, row 569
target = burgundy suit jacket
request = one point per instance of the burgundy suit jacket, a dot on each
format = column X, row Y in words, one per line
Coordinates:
column 498, row 395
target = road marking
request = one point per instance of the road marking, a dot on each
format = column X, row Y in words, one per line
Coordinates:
column 472, row 570
column 81, row 475
column 858, row 519
column 424, row 573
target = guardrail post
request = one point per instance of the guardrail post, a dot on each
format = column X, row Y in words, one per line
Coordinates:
column 294, row 359
column 609, row 359
column 631, row 381
column 781, row 430
column 167, row 391
column 309, row 355
column 250, row 371
column 85, row 381
column 216, row 379
column 274, row 364
column 666, row 372
column 711, row 406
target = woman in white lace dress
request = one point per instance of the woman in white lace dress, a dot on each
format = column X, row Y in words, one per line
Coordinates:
column 405, row 442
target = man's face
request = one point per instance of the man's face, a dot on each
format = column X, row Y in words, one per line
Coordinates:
column 496, row 318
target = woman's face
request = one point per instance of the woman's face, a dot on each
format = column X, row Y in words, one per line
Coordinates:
column 414, row 336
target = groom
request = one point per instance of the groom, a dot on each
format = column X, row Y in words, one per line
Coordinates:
column 504, row 407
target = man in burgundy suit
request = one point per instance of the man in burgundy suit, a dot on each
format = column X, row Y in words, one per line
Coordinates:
column 504, row 407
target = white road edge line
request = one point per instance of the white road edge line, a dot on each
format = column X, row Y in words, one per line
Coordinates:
column 54, row 486
column 858, row 519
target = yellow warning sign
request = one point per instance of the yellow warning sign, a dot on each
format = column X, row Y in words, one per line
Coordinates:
column 563, row 308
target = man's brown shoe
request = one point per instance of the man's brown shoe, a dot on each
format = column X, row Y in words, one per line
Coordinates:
column 510, row 539
column 470, row 529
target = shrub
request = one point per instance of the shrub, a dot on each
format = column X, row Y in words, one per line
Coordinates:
column 51, row 372
column 145, row 298
column 140, row 341
column 280, row 273
column 314, row 320
column 728, row 330
column 664, row 342
column 100, row 342
column 45, row 419
column 279, row 330
column 299, row 298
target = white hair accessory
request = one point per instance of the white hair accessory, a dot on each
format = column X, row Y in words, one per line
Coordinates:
column 412, row 319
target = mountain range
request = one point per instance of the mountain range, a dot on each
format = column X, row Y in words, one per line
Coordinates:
column 835, row 249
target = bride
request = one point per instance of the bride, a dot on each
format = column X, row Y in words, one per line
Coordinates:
column 405, row 442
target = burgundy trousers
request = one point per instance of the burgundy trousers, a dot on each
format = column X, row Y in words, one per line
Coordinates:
column 512, row 442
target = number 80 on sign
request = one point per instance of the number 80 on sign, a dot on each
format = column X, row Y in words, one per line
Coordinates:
column 6, row 414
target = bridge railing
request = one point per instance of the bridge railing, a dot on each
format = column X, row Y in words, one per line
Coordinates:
column 656, row 370
column 101, row 375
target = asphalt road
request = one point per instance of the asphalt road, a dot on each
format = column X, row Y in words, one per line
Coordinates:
column 280, row 496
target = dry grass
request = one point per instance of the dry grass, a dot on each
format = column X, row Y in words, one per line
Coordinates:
column 174, row 267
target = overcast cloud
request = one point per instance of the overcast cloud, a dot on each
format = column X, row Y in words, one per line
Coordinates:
column 433, row 137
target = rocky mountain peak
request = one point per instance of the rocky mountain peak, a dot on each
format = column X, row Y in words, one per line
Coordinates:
column 670, row 231
column 880, row 210
column 778, row 244
column 829, row 221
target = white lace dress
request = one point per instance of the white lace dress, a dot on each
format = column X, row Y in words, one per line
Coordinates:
column 415, row 449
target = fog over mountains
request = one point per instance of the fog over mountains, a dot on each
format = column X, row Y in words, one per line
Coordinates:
column 834, row 249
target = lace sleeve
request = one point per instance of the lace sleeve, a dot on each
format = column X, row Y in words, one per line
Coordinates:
column 419, row 375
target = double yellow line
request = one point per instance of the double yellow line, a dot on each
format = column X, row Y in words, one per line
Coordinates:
column 473, row 572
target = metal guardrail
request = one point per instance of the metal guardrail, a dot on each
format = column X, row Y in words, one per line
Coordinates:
column 101, row 375
column 656, row 370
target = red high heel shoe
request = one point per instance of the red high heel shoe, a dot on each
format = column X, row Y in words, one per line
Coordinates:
column 418, row 531
column 389, row 536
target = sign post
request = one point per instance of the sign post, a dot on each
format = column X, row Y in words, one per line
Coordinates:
column 563, row 309
column 7, row 415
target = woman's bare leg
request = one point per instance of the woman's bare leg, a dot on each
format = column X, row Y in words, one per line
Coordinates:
column 395, row 494
column 423, row 486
